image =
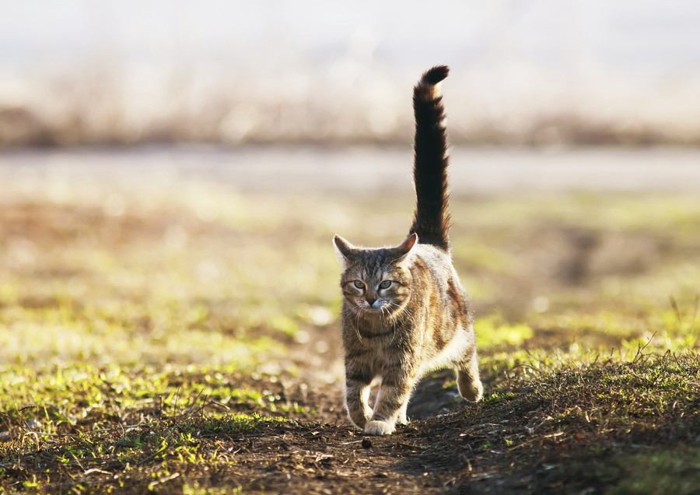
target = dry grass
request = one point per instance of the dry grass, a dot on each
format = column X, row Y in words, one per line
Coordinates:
column 105, row 104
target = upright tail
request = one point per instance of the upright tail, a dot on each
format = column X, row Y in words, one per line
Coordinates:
column 432, row 220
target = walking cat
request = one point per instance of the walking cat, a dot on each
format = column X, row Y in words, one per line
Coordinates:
column 405, row 312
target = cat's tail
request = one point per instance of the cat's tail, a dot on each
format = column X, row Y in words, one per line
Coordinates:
column 432, row 219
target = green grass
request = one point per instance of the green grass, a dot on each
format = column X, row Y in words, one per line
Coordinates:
column 141, row 347
column 608, row 426
column 492, row 332
column 143, row 423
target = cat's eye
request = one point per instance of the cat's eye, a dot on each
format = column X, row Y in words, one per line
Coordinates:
column 359, row 284
column 385, row 284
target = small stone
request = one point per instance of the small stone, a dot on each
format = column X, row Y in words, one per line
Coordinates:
column 366, row 443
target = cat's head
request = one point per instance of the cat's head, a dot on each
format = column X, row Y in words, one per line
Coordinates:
column 376, row 281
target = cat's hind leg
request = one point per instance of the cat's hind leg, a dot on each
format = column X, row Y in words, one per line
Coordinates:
column 402, row 418
column 468, row 381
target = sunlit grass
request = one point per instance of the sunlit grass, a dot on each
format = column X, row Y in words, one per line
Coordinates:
column 492, row 332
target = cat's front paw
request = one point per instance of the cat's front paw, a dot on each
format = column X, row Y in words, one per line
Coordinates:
column 379, row 428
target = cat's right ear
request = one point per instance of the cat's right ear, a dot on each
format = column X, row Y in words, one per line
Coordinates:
column 343, row 248
column 404, row 250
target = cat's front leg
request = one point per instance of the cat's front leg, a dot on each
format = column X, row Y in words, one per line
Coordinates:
column 357, row 400
column 390, row 407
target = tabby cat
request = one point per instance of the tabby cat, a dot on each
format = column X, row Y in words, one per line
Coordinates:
column 405, row 312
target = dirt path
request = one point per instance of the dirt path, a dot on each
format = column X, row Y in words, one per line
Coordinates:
column 542, row 433
column 320, row 452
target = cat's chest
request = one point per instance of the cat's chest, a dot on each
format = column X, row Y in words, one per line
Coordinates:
column 380, row 355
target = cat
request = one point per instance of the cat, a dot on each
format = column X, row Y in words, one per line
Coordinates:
column 404, row 310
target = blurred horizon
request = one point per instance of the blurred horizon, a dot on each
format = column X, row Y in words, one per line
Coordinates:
column 539, row 73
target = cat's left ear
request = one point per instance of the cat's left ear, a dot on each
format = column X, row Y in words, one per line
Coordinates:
column 343, row 248
column 407, row 247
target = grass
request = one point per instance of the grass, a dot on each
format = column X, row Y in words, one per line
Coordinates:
column 574, row 427
column 136, row 423
column 187, row 343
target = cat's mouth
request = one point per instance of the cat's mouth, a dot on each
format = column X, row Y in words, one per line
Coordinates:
column 371, row 309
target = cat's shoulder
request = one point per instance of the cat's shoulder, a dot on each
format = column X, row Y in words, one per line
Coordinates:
column 436, row 260
column 430, row 253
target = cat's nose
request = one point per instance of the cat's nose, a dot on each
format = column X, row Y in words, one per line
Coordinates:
column 370, row 300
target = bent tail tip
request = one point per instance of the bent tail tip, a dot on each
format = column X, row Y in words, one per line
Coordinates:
column 435, row 75
column 428, row 89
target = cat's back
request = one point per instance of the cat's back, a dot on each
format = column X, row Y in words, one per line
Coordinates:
column 435, row 266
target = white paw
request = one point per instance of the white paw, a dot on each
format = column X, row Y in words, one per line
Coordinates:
column 402, row 420
column 379, row 428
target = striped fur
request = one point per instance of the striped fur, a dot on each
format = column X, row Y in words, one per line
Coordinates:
column 431, row 220
column 405, row 312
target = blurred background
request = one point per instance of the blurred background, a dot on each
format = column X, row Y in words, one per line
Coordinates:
column 544, row 73
column 172, row 173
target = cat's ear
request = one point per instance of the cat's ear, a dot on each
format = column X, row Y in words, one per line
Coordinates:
column 406, row 247
column 343, row 248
